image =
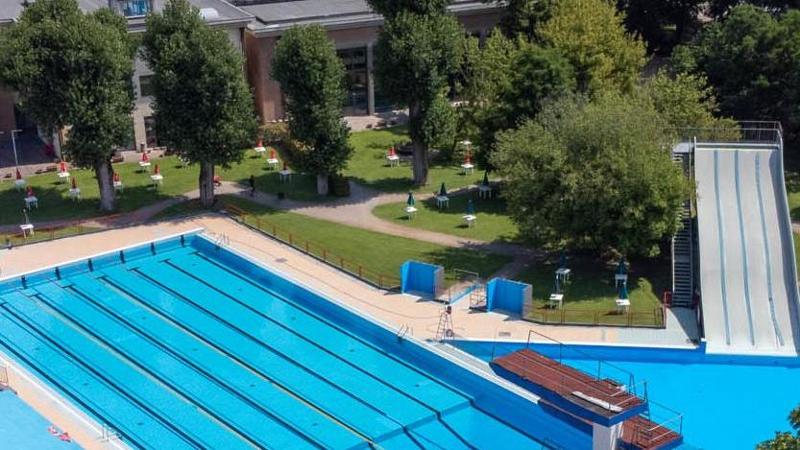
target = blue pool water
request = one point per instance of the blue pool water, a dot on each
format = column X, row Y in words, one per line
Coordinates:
column 181, row 344
column 23, row 428
column 728, row 402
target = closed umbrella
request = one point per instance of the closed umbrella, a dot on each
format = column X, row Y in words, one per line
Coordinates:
column 470, row 208
column 623, row 291
column 410, row 201
column 485, row 181
column 622, row 268
column 442, row 191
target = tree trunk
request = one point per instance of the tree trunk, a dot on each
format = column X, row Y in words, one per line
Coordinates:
column 420, row 160
column 206, row 184
column 105, row 176
column 420, row 163
column 322, row 184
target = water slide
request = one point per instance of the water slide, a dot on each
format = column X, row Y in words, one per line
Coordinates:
column 747, row 267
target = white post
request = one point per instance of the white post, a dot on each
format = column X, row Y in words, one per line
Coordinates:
column 605, row 438
column 14, row 146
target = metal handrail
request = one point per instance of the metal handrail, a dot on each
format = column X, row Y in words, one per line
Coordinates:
column 631, row 383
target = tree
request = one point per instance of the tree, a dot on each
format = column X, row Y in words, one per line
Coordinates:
column 652, row 19
column 312, row 79
column 419, row 50
column 522, row 17
column 721, row 8
column 785, row 440
column 591, row 35
column 202, row 103
column 752, row 59
column 593, row 175
column 685, row 101
column 72, row 69
column 511, row 81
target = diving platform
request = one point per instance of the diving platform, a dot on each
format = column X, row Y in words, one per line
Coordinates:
column 602, row 401
column 618, row 417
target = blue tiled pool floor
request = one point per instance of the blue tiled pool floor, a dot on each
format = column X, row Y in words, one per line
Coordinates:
column 22, row 428
column 182, row 344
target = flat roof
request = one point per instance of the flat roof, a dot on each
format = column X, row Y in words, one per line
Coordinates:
column 10, row 11
column 276, row 17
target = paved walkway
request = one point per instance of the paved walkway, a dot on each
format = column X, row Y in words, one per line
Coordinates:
column 394, row 309
column 355, row 211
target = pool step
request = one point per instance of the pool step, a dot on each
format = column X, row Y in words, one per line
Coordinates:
column 639, row 433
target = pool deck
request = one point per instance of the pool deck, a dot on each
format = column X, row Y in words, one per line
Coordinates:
column 396, row 310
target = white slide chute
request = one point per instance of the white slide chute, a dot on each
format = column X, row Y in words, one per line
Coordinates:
column 747, row 266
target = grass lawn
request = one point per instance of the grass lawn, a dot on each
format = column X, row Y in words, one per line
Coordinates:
column 797, row 251
column 368, row 165
column 590, row 296
column 54, row 203
column 376, row 253
column 492, row 224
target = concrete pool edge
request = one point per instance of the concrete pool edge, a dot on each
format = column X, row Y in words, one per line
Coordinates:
column 53, row 406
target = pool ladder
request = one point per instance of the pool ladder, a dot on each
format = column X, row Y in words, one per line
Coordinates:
column 108, row 433
column 220, row 239
column 403, row 331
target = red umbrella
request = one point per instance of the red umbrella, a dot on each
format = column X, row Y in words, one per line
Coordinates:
column 392, row 151
column 30, row 191
column 260, row 143
column 74, row 183
column 468, row 159
column 145, row 158
column 272, row 154
column 62, row 166
column 157, row 171
column 116, row 177
column 19, row 175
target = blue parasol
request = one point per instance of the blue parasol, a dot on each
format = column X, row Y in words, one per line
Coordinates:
column 410, row 201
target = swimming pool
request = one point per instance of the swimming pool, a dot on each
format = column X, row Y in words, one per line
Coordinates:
column 182, row 344
column 728, row 402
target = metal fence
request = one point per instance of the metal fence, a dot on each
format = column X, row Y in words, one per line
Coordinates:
column 318, row 251
column 582, row 316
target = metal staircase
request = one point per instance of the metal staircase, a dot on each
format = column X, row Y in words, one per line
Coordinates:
column 683, row 248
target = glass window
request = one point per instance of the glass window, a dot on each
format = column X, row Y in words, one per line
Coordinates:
column 130, row 8
column 150, row 132
column 355, row 63
column 145, row 86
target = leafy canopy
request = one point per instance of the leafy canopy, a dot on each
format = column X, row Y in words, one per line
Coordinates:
column 752, row 59
column 593, row 175
column 202, row 103
column 72, row 69
column 312, row 78
column 785, row 440
column 392, row 8
column 417, row 55
column 661, row 23
column 591, row 35
column 522, row 17
column 510, row 81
